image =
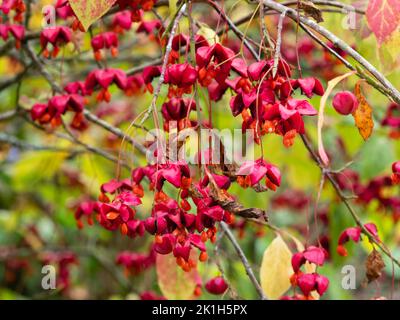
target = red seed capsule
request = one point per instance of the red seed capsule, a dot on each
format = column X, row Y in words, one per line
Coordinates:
column 216, row 285
column 203, row 256
column 185, row 205
column 396, row 167
column 345, row 102
column 158, row 239
column 197, row 291
column 396, row 172
column 341, row 250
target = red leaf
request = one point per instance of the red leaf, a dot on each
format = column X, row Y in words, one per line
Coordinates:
column 383, row 17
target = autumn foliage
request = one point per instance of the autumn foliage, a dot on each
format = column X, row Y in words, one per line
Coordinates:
column 107, row 177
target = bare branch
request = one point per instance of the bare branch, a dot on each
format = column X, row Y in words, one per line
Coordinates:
column 11, row 140
column 244, row 260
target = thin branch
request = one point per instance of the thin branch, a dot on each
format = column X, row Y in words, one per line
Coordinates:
column 232, row 292
column 153, row 107
column 114, row 130
column 92, row 149
column 264, row 29
column 345, row 200
column 140, row 68
column 278, row 44
column 11, row 140
column 232, row 205
column 231, row 25
column 244, row 260
column 91, row 117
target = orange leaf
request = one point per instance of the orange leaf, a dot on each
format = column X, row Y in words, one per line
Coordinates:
column 363, row 113
column 89, row 11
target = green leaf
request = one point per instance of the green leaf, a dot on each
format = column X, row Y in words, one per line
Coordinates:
column 89, row 11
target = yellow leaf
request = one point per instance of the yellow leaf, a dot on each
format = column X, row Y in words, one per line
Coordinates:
column 392, row 44
column 172, row 7
column 89, row 11
column 94, row 172
column 209, row 34
column 276, row 269
column 388, row 53
column 33, row 167
column 363, row 114
column 174, row 283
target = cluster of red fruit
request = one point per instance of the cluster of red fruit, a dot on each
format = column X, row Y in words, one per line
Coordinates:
column 77, row 93
column 134, row 263
column 308, row 282
column 354, row 233
column 392, row 120
column 265, row 95
column 16, row 30
column 374, row 190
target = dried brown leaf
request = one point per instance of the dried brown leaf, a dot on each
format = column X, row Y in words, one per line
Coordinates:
column 311, row 10
column 374, row 265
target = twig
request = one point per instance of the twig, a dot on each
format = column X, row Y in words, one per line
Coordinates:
column 232, row 291
column 232, row 205
column 345, row 200
column 8, row 114
column 231, row 25
column 153, row 106
column 244, row 260
column 264, row 29
column 11, row 140
column 278, row 44
column 140, row 68
column 114, row 130
column 92, row 149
